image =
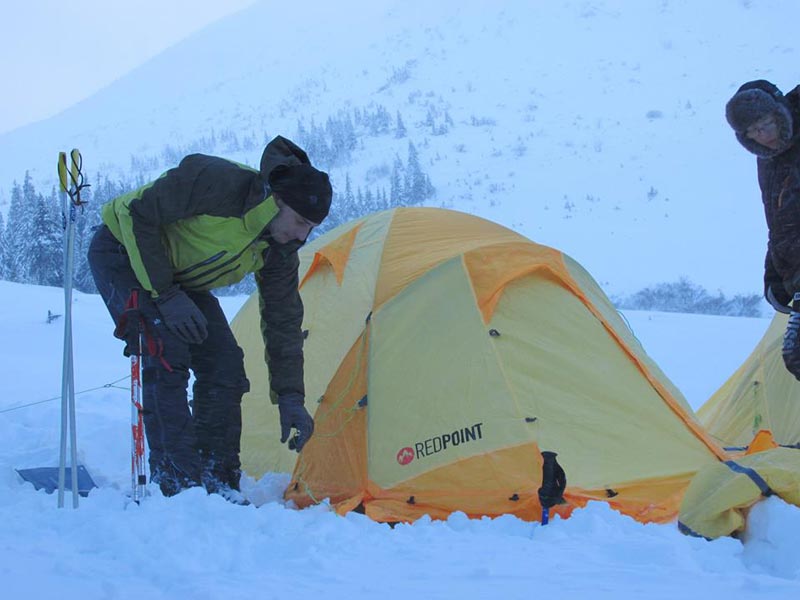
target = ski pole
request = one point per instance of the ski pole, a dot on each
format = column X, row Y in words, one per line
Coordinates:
column 70, row 193
column 138, row 474
column 554, row 482
column 62, row 458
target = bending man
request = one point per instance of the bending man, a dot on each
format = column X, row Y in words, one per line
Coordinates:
column 202, row 225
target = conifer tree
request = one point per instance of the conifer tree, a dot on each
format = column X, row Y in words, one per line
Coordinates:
column 384, row 200
column 351, row 139
column 384, row 119
column 2, row 247
column 414, row 178
column 348, row 204
column 15, row 237
column 399, row 128
column 417, row 184
column 360, row 202
column 87, row 219
column 342, row 139
column 369, row 202
column 45, row 251
column 397, row 195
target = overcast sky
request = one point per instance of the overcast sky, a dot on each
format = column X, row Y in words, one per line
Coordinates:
column 55, row 53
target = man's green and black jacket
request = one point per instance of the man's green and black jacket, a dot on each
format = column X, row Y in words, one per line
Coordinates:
column 202, row 225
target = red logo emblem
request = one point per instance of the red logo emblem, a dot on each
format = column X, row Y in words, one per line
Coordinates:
column 405, row 456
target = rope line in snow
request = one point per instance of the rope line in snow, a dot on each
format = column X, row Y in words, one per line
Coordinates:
column 94, row 389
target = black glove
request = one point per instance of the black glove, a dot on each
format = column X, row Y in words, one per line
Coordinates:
column 791, row 340
column 780, row 300
column 294, row 414
column 181, row 316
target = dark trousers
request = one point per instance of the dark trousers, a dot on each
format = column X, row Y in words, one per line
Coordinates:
column 187, row 447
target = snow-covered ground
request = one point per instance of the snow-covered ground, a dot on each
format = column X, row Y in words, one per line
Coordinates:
column 199, row 546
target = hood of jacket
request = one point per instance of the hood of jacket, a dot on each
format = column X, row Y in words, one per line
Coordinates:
column 281, row 151
column 756, row 99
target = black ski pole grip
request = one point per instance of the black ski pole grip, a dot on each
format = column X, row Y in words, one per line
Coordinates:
column 554, row 481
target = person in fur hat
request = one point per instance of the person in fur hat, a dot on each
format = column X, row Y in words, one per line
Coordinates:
column 767, row 123
column 202, row 225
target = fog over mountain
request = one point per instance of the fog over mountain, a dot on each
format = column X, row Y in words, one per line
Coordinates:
column 596, row 127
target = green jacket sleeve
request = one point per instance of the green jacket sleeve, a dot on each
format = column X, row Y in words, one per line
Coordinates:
column 281, row 321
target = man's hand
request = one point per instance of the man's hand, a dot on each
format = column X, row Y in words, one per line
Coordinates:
column 791, row 340
column 181, row 316
column 294, row 415
column 130, row 329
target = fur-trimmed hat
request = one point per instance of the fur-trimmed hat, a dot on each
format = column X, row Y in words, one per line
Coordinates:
column 747, row 107
column 753, row 101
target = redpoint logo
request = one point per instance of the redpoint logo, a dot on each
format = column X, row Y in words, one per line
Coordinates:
column 405, row 456
column 440, row 443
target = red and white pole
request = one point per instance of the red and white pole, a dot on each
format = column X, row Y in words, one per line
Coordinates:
column 138, row 472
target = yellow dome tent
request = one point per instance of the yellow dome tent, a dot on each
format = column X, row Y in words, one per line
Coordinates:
column 754, row 411
column 443, row 354
column 761, row 394
column 720, row 496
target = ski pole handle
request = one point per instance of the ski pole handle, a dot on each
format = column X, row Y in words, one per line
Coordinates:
column 554, row 482
column 62, row 171
column 75, row 168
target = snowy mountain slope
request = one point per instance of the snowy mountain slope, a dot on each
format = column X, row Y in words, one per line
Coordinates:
column 595, row 127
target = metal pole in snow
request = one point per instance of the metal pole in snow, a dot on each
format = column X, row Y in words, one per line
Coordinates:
column 70, row 199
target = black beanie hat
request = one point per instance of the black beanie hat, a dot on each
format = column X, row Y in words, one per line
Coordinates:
column 305, row 189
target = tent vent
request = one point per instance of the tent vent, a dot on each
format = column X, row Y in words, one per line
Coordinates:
column 363, row 402
column 305, row 334
column 514, row 498
column 494, row 333
column 411, row 500
column 531, row 419
column 611, row 493
column 369, row 317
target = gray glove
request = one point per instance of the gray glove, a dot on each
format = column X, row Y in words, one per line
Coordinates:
column 181, row 316
column 791, row 340
column 294, row 414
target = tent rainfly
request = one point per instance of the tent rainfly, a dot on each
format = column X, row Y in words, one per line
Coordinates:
column 443, row 354
column 719, row 498
column 761, row 394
